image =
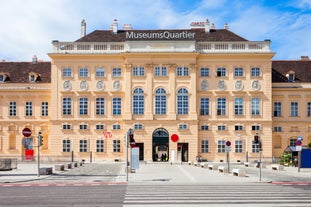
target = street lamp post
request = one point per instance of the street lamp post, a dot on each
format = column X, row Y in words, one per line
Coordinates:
column 246, row 149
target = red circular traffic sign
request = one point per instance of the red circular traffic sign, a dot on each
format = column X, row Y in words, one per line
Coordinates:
column 26, row 132
column 228, row 143
column 174, row 137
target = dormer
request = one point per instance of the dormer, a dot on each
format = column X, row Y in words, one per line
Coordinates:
column 4, row 77
column 34, row 77
column 290, row 76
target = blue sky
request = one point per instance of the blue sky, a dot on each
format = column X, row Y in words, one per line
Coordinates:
column 28, row 27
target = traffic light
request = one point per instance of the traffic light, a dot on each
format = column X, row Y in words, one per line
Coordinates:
column 40, row 139
column 256, row 139
column 132, row 140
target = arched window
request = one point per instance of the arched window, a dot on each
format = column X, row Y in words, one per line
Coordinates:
column 138, row 101
column 182, row 101
column 160, row 101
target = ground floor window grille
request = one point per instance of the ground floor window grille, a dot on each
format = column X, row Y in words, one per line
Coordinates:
column 116, row 146
column 66, row 145
column 99, row 145
column 221, row 146
column 83, row 146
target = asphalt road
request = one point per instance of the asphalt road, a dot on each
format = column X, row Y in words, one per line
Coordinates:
column 52, row 196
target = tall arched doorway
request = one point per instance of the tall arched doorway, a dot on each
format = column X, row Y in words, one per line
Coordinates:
column 160, row 145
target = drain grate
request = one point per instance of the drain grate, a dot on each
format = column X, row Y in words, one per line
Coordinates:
column 163, row 180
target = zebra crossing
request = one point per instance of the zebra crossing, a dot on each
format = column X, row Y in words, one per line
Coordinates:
column 255, row 194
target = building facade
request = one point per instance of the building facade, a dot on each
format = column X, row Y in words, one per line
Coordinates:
column 186, row 93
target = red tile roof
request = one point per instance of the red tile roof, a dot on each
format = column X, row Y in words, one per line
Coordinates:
column 18, row 72
column 301, row 69
column 200, row 35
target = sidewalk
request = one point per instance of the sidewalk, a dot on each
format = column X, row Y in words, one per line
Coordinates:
column 174, row 174
column 182, row 174
column 24, row 172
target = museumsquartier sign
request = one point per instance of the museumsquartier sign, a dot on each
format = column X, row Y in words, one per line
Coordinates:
column 161, row 35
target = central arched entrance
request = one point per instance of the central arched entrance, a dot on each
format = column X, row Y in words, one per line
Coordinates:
column 160, row 145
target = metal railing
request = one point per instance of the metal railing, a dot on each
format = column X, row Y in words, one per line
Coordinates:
column 119, row 47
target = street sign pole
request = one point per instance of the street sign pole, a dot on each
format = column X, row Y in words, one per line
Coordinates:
column 127, row 157
column 39, row 134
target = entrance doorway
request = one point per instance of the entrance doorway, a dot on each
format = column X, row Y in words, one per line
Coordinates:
column 141, row 150
column 182, row 152
column 160, row 145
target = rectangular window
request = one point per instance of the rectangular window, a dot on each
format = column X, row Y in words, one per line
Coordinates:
column 204, row 72
column 12, row 109
column 277, row 109
column 182, row 126
column 138, row 126
column 292, row 142
column 238, row 127
column 83, row 146
column 221, row 127
column 221, row 146
column 238, row 146
column 66, row 145
column 100, row 72
column 67, row 72
column 83, row 106
column 182, row 71
column 116, row 127
column 99, row 145
column 255, row 127
column 100, row 126
column 66, row 106
column 44, row 108
column 238, row 106
column 221, row 106
column 204, row 127
column 83, row 72
column 66, row 126
column 116, row 146
column 28, row 108
column 238, row 72
column 138, row 71
column 83, row 127
column 221, row 72
column 255, row 106
column 309, row 109
column 160, row 71
column 116, row 72
column 100, row 106
column 204, row 106
column 255, row 72
column 294, row 109
column 277, row 129
column 204, row 146
column 116, row 106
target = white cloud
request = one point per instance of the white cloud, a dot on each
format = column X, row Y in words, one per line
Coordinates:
column 31, row 25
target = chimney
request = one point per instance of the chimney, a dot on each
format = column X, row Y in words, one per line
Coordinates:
column 304, row 58
column 114, row 26
column 207, row 26
column 34, row 59
column 213, row 26
column 127, row 27
column 226, row 26
column 83, row 28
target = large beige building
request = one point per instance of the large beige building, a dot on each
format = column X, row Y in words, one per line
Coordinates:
column 185, row 93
